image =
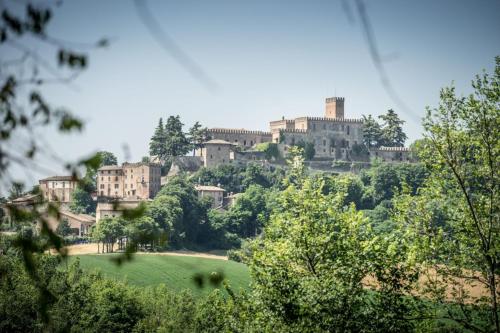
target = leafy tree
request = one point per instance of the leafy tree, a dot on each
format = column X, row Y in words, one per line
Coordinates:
column 176, row 143
column 372, row 132
column 108, row 230
column 307, row 149
column 157, row 144
column 462, row 151
column 392, row 130
column 270, row 149
column 16, row 191
column 107, row 158
column 197, row 136
column 82, row 202
column 63, row 228
column 309, row 266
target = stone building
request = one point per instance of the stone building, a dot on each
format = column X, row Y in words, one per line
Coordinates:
column 391, row 154
column 214, row 192
column 333, row 136
column 130, row 180
column 58, row 188
column 215, row 152
column 240, row 137
column 107, row 207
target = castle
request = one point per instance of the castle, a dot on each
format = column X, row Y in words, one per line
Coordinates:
column 334, row 137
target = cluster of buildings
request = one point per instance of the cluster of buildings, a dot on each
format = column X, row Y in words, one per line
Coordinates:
column 333, row 136
column 119, row 187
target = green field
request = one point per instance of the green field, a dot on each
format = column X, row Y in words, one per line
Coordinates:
column 176, row 272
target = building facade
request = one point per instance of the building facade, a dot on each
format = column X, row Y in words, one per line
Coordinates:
column 58, row 188
column 130, row 180
column 214, row 192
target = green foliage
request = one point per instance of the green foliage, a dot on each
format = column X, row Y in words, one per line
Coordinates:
column 372, row 132
column 307, row 148
column 270, row 149
column 309, row 266
column 157, row 143
column 462, row 151
column 197, row 135
column 392, row 130
column 82, row 202
column 63, row 229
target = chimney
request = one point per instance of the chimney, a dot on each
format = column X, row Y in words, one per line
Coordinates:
column 334, row 107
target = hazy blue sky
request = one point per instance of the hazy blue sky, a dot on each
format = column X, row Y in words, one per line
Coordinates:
column 269, row 59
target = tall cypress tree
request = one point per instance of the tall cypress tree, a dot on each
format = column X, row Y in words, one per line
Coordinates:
column 392, row 129
column 176, row 143
column 157, row 145
column 197, row 136
column 372, row 132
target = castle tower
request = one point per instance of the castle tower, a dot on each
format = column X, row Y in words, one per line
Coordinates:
column 334, row 107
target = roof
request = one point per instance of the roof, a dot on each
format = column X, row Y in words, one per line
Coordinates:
column 217, row 141
column 209, row 188
column 60, row 178
column 78, row 217
column 25, row 198
column 110, row 167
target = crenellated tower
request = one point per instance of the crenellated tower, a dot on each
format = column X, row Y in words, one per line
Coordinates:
column 334, row 107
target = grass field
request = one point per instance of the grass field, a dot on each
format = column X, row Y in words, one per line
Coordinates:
column 176, row 272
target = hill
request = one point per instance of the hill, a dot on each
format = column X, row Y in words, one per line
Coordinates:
column 176, row 272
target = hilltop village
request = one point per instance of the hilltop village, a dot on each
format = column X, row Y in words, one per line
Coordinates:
column 334, row 140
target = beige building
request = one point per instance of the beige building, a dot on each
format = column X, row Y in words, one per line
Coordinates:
column 240, row 137
column 391, row 154
column 215, row 152
column 58, row 188
column 130, row 180
column 115, row 208
column 214, row 192
column 333, row 136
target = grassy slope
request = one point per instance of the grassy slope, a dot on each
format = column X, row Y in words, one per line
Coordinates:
column 176, row 272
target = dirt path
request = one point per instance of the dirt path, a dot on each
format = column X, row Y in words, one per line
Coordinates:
column 92, row 249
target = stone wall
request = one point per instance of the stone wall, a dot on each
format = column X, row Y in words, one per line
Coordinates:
column 240, row 137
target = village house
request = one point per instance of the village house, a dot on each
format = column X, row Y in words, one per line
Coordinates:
column 58, row 188
column 214, row 192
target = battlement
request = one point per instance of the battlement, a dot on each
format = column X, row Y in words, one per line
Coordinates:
column 237, row 131
column 335, row 120
column 293, row 130
column 392, row 149
column 334, row 99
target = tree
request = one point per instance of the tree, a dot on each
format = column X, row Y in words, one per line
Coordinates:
column 309, row 265
column 176, row 143
column 63, row 229
column 307, row 149
column 157, row 143
column 372, row 132
column 16, row 191
column 392, row 130
column 107, row 158
column 197, row 136
column 82, row 202
column 462, row 151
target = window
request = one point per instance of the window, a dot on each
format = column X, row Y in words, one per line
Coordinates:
column 116, row 178
column 64, row 184
column 211, row 156
column 324, row 142
column 347, row 129
column 102, row 193
column 117, row 186
column 109, row 179
column 102, row 186
column 218, row 148
column 244, row 142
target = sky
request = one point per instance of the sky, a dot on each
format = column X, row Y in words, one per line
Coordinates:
column 267, row 59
